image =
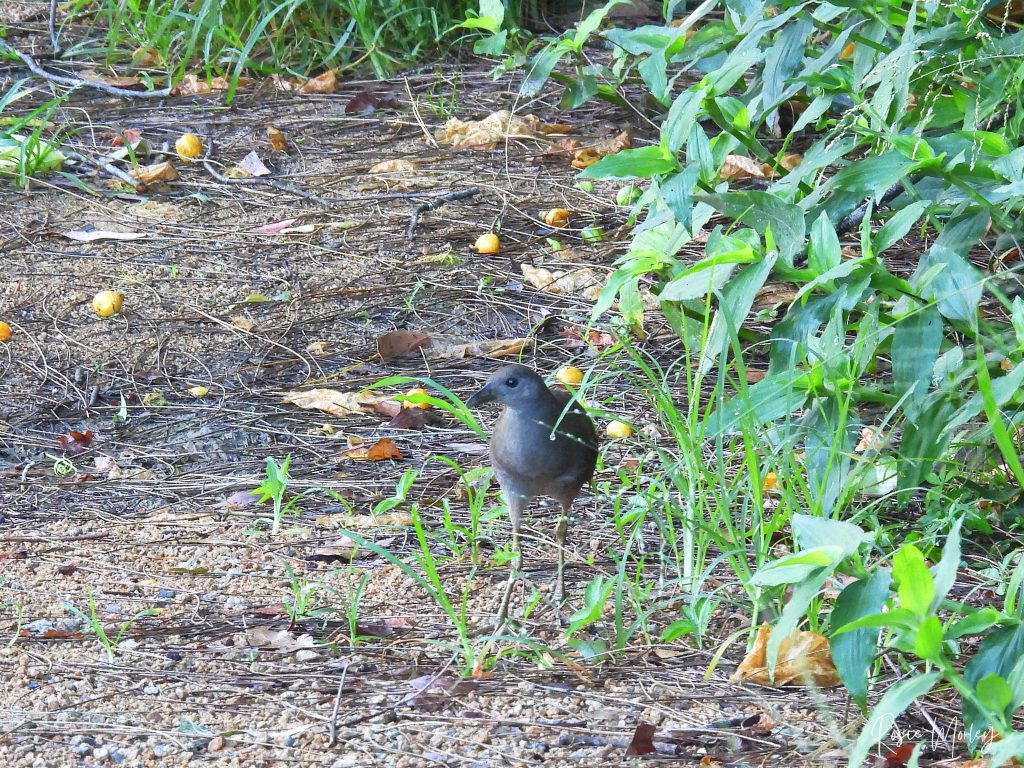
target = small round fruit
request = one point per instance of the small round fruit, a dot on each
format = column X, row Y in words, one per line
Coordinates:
column 556, row 217
column 592, row 234
column 107, row 303
column 416, row 391
column 199, row 391
column 5, row 331
column 488, row 243
column 617, row 430
column 569, row 376
column 627, row 195
column 770, row 482
column 189, row 147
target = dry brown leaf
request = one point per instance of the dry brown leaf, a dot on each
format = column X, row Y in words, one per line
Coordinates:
column 243, row 323
column 396, row 344
column 589, row 155
column 336, row 402
column 365, row 522
column 493, row 130
column 195, row 85
column 804, row 659
column 786, row 162
column 775, row 293
column 741, row 167
column 872, row 440
column 150, row 174
column 325, row 83
column 586, row 282
column 277, row 139
column 280, row 640
column 285, row 84
column 144, row 58
column 400, row 165
column 129, row 83
column 383, row 450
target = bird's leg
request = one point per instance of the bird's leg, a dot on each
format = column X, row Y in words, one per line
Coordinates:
column 558, row 592
column 515, row 513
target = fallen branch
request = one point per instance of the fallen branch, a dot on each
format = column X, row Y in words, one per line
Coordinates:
column 435, row 204
column 75, row 82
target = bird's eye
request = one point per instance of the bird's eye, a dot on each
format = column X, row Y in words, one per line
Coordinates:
column 511, row 381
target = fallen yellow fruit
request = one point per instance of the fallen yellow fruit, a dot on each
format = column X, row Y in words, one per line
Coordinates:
column 416, row 391
column 107, row 303
column 488, row 243
column 556, row 217
column 569, row 376
column 770, row 482
column 199, row 391
column 5, row 331
column 189, row 147
column 617, row 430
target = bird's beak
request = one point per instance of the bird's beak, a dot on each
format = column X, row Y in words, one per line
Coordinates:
column 482, row 396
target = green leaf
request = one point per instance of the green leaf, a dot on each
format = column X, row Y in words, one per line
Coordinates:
column 974, row 623
column 916, row 341
column 736, row 300
column 883, row 716
column 763, row 212
column 994, row 692
column 998, row 653
column 897, row 227
column 853, row 651
column 771, row 398
column 823, row 250
column 957, row 288
column 944, row 574
column 796, row 567
column 1005, row 749
column 642, row 162
column 540, row 68
column 811, row 531
column 915, row 585
column 928, row 640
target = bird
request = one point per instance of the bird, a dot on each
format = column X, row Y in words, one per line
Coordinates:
column 543, row 444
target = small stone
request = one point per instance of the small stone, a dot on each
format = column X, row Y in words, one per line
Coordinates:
column 151, row 690
column 216, row 744
column 101, row 753
column 165, row 594
column 39, row 626
column 161, row 748
column 69, row 624
column 117, row 756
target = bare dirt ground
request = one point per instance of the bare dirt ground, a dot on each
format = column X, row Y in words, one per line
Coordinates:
column 151, row 516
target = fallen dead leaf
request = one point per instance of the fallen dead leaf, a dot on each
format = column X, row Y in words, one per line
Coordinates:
column 277, row 139
column 395, row 344
column 74, row 442
column 196, row 85
column 804, row 659
column 741, row 167
column 365, row 522
column 130, row 83
column 151, row 174
column 493, row 130
column 243, row 323
column 587, row 156
column 383, row 450
column 400, row 165
column 337, row 402
column 280, row 640
column 251, row 166
column 367, row 102
column 585, row 283
column 642, row 742
column 325, row 83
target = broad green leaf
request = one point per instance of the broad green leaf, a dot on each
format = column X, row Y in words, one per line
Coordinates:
column 900, row 618
column 928, row 641
column 974, row 623
column 897, row 227
column 916, row 341
column 883, row 716
column 853, row 652
column 642, row 162
column 540, row 68
column 733, row 307
column 1004, row 750
column 771, row 398
column 763, row 212
column 944, row 572
column 998, row 654
column 957, row 288
column 823, row 250
column 796, row 567
column 811, row 531
column 994, row 692
column 794, row 612
column 915, row 585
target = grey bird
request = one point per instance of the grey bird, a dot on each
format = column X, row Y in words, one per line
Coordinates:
column 543, row 445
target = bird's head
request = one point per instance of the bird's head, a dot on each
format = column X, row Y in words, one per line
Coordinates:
column 515, row 386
